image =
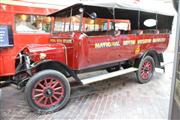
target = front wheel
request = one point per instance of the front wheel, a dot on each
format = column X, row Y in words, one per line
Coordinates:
column 47, row 91
column 145, row 70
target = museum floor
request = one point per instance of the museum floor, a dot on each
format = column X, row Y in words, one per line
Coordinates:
column 117, row 98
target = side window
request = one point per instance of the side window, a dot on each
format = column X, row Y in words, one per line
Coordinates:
column 66, row 24
column 96, row 25
column 105, row 26
column 90, row 25
column 75, row 23
column 32, row 23
column 112, row 26
column 122, row 26
column 61, row 25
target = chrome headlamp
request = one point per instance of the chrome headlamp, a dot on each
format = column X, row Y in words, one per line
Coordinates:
column 42, row 56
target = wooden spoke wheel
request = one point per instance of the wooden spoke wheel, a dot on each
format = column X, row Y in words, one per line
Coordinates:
column 47, row 91
column 145, row 70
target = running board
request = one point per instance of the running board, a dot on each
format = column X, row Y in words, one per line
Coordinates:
column 108, row 75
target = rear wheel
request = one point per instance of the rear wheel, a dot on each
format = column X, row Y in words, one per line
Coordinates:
column 145, row 70
column 47, row 91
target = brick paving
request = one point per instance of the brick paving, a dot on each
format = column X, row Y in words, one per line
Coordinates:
column 116, row 98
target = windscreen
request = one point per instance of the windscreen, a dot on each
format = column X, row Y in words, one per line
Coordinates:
column 67, row 24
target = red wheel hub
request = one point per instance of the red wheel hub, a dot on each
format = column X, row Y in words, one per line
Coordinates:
column 146, row 70
column 48, row 92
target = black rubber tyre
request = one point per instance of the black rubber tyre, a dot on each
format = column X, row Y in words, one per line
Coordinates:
column 145, row 70
column 49, row 83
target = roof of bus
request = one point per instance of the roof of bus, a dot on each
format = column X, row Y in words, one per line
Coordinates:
column 100, row 7
column 136, row 15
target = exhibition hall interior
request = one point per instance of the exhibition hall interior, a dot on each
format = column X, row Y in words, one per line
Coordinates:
column 89, row 59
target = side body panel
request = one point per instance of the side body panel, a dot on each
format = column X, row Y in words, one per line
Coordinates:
column 96, row 51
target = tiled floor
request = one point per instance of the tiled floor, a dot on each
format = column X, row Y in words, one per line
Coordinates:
column 116, row 98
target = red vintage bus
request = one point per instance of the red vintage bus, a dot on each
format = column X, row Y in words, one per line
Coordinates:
column 87, row 38
column 84, row 37
column 26, row 24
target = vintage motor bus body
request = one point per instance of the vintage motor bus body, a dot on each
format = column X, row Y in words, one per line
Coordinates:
column 88, row 38
column 15, row 16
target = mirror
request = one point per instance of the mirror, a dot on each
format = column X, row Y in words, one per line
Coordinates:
column 81, row 10
column 93, row 15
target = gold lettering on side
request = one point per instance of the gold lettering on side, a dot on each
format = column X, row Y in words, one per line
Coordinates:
column 129, row 42
column 157, row 40
column 144, row 41
column 67, row 41
column 52, row 40
column 59, row 40
column 107, row 44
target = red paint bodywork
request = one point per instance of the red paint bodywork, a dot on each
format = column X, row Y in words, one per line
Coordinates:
column 53, row 51
column 8, row 55
column 82, row 54
column 79, row 54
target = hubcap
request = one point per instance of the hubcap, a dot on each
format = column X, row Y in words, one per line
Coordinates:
column 146, row 70
column 48, row 92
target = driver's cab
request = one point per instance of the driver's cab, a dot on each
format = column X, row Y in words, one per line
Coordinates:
column 84, row 19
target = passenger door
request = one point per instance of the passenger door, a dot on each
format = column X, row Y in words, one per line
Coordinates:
column 98, row 50
column 126, row 48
